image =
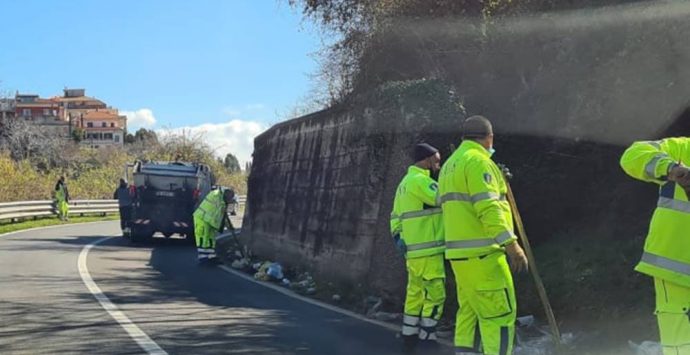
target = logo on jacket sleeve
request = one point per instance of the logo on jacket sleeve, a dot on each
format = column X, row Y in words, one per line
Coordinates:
column 487, row 178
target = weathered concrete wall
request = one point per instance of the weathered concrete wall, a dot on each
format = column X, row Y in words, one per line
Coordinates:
column 321, row 185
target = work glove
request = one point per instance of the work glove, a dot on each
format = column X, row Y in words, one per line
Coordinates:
column 680, row 175
column 516, row 257
column 400, row 245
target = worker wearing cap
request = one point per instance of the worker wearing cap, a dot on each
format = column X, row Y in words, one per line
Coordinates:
column 417, row 230
column 666, row 255
column 208, row 221
column 478, row 233
column 62, row 199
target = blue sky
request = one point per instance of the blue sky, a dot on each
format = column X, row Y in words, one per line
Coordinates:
column 182, row 63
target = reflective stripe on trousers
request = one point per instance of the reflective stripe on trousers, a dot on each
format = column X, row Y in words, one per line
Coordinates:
column 427, row 329
column 410, row 325
column 205, row 253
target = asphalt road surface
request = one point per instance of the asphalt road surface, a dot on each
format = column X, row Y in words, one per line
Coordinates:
column 158, row 301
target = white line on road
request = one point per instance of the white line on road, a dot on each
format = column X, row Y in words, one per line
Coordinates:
column 138, row 335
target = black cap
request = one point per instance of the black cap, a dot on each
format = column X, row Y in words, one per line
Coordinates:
column 476, row 127
column 423, row 151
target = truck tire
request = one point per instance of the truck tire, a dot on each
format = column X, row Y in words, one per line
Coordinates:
column 140, row 236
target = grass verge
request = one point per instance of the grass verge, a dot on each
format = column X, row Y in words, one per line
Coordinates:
column 51, row 221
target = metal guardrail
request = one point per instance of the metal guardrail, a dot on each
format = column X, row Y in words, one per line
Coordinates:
column 14, row 211
column 32, row 209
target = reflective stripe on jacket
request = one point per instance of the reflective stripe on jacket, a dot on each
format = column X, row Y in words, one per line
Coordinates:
column 416, row 216
column 667, row 247
column 476, row 214
column 212, row 209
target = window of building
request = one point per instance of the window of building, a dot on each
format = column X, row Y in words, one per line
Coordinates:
column 104, row 124
column 89, row 124
column 117, row 138
column 112, row 124
column 108, row 136
column 26, row 112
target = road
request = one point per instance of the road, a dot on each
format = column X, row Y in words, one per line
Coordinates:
column 46, row 307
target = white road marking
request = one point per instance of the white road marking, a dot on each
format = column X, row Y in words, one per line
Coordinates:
column 146, row 343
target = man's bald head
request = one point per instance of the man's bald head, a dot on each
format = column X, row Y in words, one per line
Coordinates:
column 477, row 127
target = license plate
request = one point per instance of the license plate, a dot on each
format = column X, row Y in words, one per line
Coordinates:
column 165, row 193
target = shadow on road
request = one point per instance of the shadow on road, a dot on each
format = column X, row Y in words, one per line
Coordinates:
column 188, row 308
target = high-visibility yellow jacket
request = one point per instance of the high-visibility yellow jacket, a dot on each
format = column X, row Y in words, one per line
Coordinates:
column 416, row 216
column 667, row 247
column 476, row 214
column 61, row 193
column 212, row 209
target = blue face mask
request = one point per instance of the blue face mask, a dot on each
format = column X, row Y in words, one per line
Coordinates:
column 491, row 151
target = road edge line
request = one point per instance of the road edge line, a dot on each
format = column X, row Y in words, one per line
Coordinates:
column 312, row 301
column 142, row 339
column 321, row 304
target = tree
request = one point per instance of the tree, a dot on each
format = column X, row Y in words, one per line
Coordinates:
column 231, row 163
column 146, row 135
column 78, row 134
column 129, row 138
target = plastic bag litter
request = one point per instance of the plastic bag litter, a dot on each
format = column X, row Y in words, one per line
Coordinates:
column 533, row 339
column 240, row 264
column 261, row 274
column 275, row 270
column 645, row 348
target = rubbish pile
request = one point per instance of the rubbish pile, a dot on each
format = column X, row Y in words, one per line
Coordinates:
column 533, row 339
column 304, row 284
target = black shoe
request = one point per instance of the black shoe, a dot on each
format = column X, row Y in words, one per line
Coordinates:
column 429, row 346
column 410, row 343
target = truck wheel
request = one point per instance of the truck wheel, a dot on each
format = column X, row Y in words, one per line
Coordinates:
column 140, row 236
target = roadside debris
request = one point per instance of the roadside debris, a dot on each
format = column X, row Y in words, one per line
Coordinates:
column 275, row 270
column 305, row 284
column 645, row 348
column 372, row 304
column 533, row 339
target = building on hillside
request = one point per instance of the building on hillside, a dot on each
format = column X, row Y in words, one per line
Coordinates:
column 102, row 128
column 74, row 103
column 46, row 113
column 7, row 108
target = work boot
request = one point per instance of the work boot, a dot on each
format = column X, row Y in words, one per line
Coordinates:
column 429, row 347
column 410, row 343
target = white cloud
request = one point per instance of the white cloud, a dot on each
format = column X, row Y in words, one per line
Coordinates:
column 142, row 118
column 235, row 136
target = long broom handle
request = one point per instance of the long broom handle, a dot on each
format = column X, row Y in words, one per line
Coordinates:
column 533, row 269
